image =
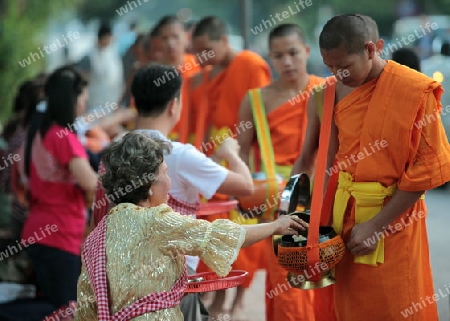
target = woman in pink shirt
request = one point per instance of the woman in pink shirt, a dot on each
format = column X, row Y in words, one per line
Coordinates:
column 59, row 177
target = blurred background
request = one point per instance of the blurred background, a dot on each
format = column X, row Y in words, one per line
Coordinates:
column 70, row 28
column 27, row 25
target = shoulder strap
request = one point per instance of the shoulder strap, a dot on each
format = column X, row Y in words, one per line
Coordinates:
column 319, row 181
column 265, row 146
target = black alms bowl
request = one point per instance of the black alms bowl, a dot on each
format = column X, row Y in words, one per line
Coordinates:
column 325, row 233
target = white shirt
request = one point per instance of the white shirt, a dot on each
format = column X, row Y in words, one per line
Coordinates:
column 192, row 173
column 105, row 79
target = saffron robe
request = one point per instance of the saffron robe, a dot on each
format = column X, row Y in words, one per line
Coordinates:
column 391, row 108
column 189, row 68
column 287, row 125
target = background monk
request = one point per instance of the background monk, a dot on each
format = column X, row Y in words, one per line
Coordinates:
column 386, row 270
column 284, row 102
column 173, row 39
column 232, row 75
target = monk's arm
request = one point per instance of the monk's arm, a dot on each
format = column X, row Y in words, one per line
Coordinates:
column 399, row 203
column 245, row 137
column 306, row 160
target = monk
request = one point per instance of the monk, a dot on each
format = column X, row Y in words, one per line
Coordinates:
column 390, row 150
column 286, row 121
column 173, row 40
column 232, row 75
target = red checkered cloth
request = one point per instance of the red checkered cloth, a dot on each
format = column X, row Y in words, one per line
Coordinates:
column 96, row 270
column 183, row 208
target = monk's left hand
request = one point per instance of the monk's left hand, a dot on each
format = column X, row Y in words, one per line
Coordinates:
column 363, row 239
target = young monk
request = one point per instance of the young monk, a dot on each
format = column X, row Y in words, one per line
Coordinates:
column 283, row 102
column 173, row 38
column 386, row 270
column 191, row 172
column 232, row 75
column 324, row 298
column 133, row 262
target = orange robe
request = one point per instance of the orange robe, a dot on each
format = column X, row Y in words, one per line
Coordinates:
column 287, row 125
column 392, row 108
column 199, row 110
column 189, row 68
column 225, row 93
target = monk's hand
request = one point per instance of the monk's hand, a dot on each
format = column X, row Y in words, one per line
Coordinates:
column 363, row 239
column 289, row 225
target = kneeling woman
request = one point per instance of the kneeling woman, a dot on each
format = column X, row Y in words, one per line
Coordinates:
column 134, row 260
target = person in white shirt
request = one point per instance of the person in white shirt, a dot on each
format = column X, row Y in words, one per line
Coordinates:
column 192, row 173
column 104, row 69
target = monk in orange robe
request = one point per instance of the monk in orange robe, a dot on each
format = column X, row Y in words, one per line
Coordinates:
column 284, row 102
column 173, row 39
column 391, row 149
column 324, row 298
column 232, row 75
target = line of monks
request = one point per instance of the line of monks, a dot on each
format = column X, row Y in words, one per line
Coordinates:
column 218, row 93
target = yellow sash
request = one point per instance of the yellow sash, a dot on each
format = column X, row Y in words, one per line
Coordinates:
column 369, row 199
column 268, row 164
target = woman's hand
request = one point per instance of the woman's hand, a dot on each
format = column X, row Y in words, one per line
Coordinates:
column 289, row 225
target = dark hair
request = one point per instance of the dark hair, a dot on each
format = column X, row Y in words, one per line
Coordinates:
column 211, row 26
column 407, row 57
column 132, row 161
column 188, row 25
column 166, row 21
column 104, row 30
column 287, row 29
column 153, row 87
column 349, row 30
column 30, row 93
column 62, row 89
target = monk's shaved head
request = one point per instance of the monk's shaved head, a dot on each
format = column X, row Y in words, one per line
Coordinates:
column 212, row 27
column 287, row 29
column 373, row 28
column 167, row 21
column 350, row 30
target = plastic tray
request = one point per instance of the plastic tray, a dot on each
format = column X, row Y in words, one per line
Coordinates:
column 217, row 207
column 210, row 281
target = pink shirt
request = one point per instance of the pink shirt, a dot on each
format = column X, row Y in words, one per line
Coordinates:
column 57, row 209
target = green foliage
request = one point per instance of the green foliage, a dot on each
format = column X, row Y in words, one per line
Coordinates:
column 22, row 24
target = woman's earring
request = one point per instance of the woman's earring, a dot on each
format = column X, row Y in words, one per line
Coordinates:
column 150, row 192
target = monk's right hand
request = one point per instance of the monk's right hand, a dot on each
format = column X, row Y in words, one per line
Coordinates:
column 289, row 225
column 230, row 146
